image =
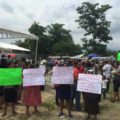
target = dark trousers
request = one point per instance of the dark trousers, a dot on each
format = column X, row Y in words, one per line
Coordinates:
column 56, row 97
column 108, row 85
column 75, row 96
column 104, row 92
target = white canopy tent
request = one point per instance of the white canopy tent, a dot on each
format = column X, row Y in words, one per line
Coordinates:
column 77, row 56
column 57, row 57
column 9, row 34
column 12, row 47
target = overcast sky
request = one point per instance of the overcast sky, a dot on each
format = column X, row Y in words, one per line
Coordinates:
column 20, row 14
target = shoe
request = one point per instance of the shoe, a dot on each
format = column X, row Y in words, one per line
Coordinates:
column 61, row 115
column 70, row 116
column 78, row 109
column 87, row 118
column 118, row 100
column 112, row 100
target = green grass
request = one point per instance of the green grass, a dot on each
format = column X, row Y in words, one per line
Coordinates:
column 48, row 110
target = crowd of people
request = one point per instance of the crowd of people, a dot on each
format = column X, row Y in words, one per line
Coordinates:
column 110, row 70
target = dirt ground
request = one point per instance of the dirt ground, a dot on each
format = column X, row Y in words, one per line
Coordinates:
column 49, row 111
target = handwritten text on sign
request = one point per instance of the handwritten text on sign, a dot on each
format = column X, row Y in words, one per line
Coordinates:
column 33, row 77
column 89, row 83
column 62, row 75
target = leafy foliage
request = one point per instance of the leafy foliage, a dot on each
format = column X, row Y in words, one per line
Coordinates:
column 93, row 20
column 53, row 39
column 57, row 33
column 37, row 29
column 66, row 48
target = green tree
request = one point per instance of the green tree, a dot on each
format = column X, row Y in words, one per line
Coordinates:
column 28, row 43
column 37, row 29
column 44, row 43
column 20, row 43
column 66, row 48
column 57, row 33
column 53, row 39
column 92, row 19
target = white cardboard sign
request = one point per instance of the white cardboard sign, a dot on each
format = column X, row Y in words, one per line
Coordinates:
column 62, row 75
column 89, row 83
column 34, row 76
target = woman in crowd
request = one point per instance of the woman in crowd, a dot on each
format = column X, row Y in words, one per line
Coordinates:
column 91, row 103
column 32, row 97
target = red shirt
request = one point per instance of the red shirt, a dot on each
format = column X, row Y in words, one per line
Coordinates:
column 76, row 73
column 81, row 69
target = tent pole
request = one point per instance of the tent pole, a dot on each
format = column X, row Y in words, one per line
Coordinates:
column 36, row 51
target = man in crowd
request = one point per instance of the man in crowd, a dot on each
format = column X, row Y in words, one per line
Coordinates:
column 75, row 93
column 107, row 73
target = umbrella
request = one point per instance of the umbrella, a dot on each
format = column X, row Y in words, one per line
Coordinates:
column 12, row 55
column 92, row 55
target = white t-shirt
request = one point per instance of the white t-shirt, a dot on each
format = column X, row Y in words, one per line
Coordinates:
column 107, row 70
column 104, row 84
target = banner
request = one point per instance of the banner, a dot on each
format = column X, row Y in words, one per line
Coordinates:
column 62, row 75
column 34, row 76
column 10, row 76
column 89, row 83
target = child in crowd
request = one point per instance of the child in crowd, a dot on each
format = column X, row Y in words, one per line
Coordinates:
column 104, row 87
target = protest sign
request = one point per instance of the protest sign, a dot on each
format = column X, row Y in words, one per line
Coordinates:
column 34, row 76
column 10, row 76
column 89, row 83
column 118, row 56
column 42, row 68
column 62, row 75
